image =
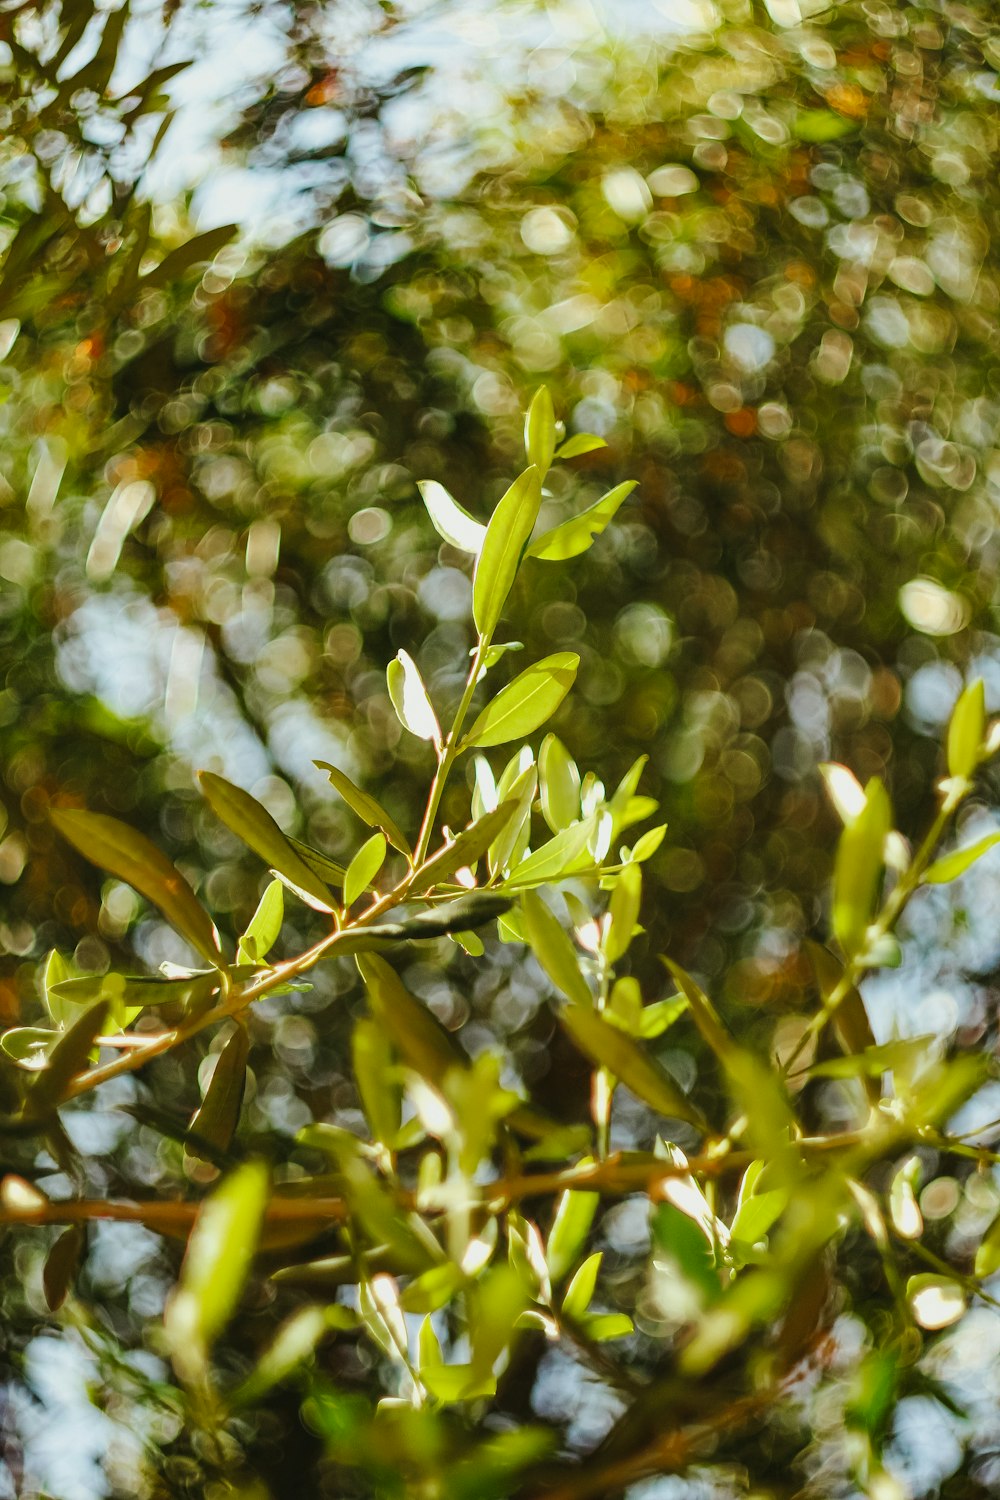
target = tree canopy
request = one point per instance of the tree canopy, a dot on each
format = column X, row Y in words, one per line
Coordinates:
column 596, row 429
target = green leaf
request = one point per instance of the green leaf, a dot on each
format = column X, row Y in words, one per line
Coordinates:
column 647, row 844
column 580, row 1292
column 558, row 857
column 130, row 856
column 451, row 520
column 681, row 1239
column 414, row 709
column 858, row 869
column 580, row 443
column 506, row 538
column 493, row 653
column 421, row 1039
column 464, row 850
column 61, row 1265
column 599, row 1327
column 570, row 1227
column 524, row 704
column 626, row 898
column 363, row 868
column 214, row 1123
column 704, row 1014
column 850, row 1018
column 451, row 1383
column 29, row 1046
column 136, row 991
column 554, row 950
column 955, row 864
column 559, row 782
column 321, row 864
column 458, row 916
column 757, row 1214
column 607, row 1047
column 966, row 729
column 251, row 822
column 578, row 533
column 265, row 926
column 509, row 844
column 374, row 1074
column 540, row 431
column 293, row 1346
column 219, row 1254
column 203, row 247
column 657, row 1018
column 988, row 1254
column 366, row 807
column 66, row 1059
column 56, row 972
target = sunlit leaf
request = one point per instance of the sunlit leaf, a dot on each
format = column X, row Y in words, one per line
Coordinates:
column 540, row 431
column 507, row 536
column 414, row 709
column 465, row 849
column 265, row 926
column 571, row 1223
column 56, row 972
column 554, row 950
column 559, row 782
column 524, row 704
column 580, row 443
column 580, row 1292
column 574, row 536
column 451, row 520
column 29, row 1046
column 559, row 856
column 626, row 898
column 966, row 730
column 950, row 866
column 292, row 1347
column 363, row 868
column 858, row 868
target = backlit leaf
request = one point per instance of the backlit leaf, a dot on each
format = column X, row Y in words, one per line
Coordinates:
column 858, row 869
column 414, row 709
column 966, row 729
column 451, row 520
column 574, row 536
column 265, row 926
column 66, row 1059
column 540, row 431
column 559, row 782
column 363, row 868
column 950, row 866
column 524, row 704
column 507, row 536
column 554, row 950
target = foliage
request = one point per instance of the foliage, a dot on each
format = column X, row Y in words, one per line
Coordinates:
column 435, row 1193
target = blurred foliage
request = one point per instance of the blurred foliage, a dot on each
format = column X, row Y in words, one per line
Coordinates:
column 753, row 251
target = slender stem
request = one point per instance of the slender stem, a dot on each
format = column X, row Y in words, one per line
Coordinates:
column 164, row 1217
column 881, row 927
column 449, row 752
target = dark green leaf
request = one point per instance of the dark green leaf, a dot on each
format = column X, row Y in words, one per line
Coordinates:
column 366, row 807
column 214, row 1123
column 61, row 1265
column 130, row 856
column 203, row 247
column 251, row 822
column 464, row 850
column 67, row 1058
column 607, row 1047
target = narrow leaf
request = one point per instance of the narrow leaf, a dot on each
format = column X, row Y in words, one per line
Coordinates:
column 524, row 704
column 624, row 913
column 366, row 807
column 464, row 850
column 214, row 1123
column 554, row 950
column 607, row 1047
column 579, row 443
column 251, row 822
column 203, row 247
column 56, row 972
column 363, row 868
column 858, row 869
column 219, row 1254
column 265, row 926
column 292, row 1347
column 573, row 1217
column 130, row 856
column 421, row 1039
column 510, row 842
column 375, row 1077
column 580, row 1292
column 61, row 1265
column 559, row 781
column 558, row 857
column 955, row 864
column 506, row 538
column 540, row 431
column 414, row 709
column 574, row 536
column 451, row 520
column 966, row 729
column 136, row 991
column 67, row 1058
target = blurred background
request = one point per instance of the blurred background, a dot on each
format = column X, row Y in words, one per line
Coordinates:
column 266, row 266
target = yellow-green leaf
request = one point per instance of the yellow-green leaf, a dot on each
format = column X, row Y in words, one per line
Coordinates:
column 421, row 1039
column 56, row 972
column 265, row 926
column 626, row 898
column 130, row 856
column 559, row 782
column 966, row 729
column 363, row 868
column 574, row 536
column 524, row 704
column 251, row 822
column 540, row 431
column 507, row 536
column 858, row 869
column 554, row 950
column 465, row 849
column 952, row 865
column 580, row 1292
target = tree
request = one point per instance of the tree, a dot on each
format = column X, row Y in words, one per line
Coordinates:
column 734, row 619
